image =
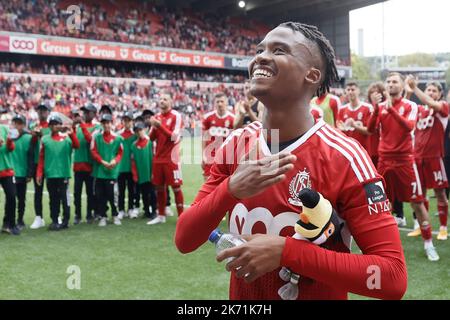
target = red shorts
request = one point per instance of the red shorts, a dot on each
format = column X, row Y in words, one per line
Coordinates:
column 167, row 174
column 432, row 173
column 402, row 180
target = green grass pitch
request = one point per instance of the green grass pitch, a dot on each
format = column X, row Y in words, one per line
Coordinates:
column 136, row 261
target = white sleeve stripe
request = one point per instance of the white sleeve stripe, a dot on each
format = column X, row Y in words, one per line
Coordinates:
column 344, row 153
column 443, row 121
column 414, row 111
column 177, row 123
column 249, row 130
column 360, row 152
column 253, row 126
column 350, row 149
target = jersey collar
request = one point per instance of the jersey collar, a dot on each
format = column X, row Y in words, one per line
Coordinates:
column 265, row 148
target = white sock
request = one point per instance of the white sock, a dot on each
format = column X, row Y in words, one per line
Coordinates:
column 428, row 244
column 416, row 224
column 443, row 228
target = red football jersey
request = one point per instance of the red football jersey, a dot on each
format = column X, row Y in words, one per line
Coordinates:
column 360, row 115
column 342, row 172
column 218, row 129
column 167, row 137
column 430, row 131
column 397, row 129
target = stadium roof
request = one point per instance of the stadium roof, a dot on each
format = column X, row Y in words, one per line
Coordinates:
column 274, row 11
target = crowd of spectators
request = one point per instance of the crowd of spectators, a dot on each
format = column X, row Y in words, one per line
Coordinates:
column 141, row 23
column 21, row 95
column 99, row 70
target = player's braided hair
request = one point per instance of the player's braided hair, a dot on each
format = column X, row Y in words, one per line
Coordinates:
column 313, row 34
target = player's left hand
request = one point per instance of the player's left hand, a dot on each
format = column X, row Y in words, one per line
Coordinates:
column 259, row 255
column 388, row 100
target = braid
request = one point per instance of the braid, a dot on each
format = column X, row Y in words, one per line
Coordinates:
column 313, row 34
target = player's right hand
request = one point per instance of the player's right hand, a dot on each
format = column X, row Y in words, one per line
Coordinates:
column 410, row 83
column 254, row 176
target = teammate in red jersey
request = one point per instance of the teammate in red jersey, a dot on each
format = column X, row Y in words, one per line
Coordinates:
column 217, row 126
column 166, row 131
column 429, row 146
column 354, row 116
column 397, row 119
column 261, row 195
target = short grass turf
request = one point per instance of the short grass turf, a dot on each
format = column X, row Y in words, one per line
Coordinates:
column 136, row 261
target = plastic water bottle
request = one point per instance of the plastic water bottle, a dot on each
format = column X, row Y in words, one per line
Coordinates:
column 224, row 241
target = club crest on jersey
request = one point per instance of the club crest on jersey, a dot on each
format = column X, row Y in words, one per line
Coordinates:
column 227, row 123
column 168, row 122
column 300, row 181
column 401, row 111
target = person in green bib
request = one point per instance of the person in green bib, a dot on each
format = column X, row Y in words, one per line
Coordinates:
column 107, row 152
column 22, row 161
column 82, row 166
column 329, row 106
column 125, row 180
column 7, row 181
column 38, row 130
column 55, row 164
column 141, row 168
